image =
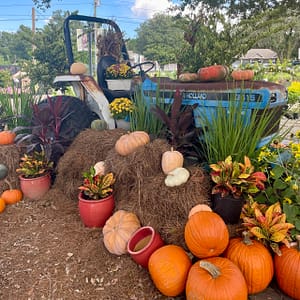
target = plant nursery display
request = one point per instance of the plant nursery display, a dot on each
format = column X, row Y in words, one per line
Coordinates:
column 96, row 200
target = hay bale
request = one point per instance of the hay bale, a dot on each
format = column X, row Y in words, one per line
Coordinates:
column 10, row 156
column 89, row 147
column 166, row 208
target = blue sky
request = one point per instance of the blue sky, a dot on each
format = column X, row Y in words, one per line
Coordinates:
column 128, row 14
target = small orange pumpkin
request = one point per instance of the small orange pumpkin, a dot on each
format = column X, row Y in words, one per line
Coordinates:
column 253, row 259
column 7, row 137
column 130, row 142
column 171, row 160
column 12, row 196
column 118, row 230
column 168, row 267
column 199, row 207
column 242, row 74
column 2, row 205
column 287, row 269
column 206, row 234
column 215, row 278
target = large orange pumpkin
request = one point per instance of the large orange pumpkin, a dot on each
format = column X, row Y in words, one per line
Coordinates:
column 171, row 160
column 254, row 260
column 215, row 278
column 168, row 267
column 287, row 269
column 130, row 142
column 242, row 74
column 12, row 196
column 206, row 234
column 7, row 137
column 118, row 230
column 212, row 73
column 2, row 205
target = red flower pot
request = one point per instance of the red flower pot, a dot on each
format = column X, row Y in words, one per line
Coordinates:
column 143, row 243
column 94, row 213
column 35, row 188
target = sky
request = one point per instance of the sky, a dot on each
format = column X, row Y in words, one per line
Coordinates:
column 128, row 14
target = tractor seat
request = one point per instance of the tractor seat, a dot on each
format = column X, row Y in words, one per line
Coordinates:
column 103, row 64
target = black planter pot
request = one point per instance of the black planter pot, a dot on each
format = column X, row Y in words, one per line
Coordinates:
column 228, row 208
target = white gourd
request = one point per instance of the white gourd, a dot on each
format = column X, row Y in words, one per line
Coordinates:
column 177, row 177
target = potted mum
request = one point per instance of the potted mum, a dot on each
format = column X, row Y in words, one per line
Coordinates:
column 96, row 200
column 120, row 109
column 234, row 183
column 119, row 77
column 35, row 174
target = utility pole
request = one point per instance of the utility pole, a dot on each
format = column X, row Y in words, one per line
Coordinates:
column 33, row 25
column 96, row 3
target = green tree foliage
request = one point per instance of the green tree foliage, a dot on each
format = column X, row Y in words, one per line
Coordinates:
column 159, row 39
column 5, row 78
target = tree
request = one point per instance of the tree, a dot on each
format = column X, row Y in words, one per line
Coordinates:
column 159, row 39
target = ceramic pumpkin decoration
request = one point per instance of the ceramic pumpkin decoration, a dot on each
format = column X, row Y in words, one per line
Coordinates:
column 2, row 205
column 253, row 259
column 168, row 267
column 130, row 142
column 287, row 269
column 212, row 73
column 171, row 160
column 7, row 137
column 215, row 278
column 242, row 74
column 206, row 234
column 118, row 229
column 12, row 196
column 199, row 207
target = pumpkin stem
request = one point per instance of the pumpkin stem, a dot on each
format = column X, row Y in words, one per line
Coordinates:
column 213, row 270
column 8, row 183
column 246, row 238
column 298, row 241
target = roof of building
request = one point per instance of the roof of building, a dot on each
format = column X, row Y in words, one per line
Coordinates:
column 260, row 54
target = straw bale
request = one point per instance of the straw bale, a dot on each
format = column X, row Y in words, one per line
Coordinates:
column 10, row 156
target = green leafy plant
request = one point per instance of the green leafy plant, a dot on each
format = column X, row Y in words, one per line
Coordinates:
column 96, row 186
column 237, row 179
column 34, row 165
column 232, row 131
column 267, row 224
column 281, row 164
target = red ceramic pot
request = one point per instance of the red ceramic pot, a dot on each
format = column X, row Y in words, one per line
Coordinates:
column 143, row 243
column 94, row 213
column 35, row 188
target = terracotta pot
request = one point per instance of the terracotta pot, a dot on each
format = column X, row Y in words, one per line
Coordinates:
column 94, row 213
column 143, row 243
column 35, row 188
column 228, row 207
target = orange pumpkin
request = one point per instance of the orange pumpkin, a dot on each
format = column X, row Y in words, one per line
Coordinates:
column 129, row 143
column 242, row 74
column 254, row 260
column 206, row 234
column 168, row 267
column 2, row 205
column 118, row 229
column 171, row 160
column 7, row 137
column 287, row 269
column 215, row 278
column 212, row 73
column 199, row 207
column 12, row 196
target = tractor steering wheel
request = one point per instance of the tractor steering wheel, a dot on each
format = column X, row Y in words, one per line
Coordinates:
column 142, row 72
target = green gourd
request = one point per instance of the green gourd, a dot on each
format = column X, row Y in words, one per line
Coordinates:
column 99, row 125
column 3, row 171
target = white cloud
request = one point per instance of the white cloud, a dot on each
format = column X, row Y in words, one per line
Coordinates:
column 147, row 8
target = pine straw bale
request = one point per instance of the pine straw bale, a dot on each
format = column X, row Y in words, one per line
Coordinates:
column 134, row 168
column 10, row 157
column 89, row 147
column 166, row 208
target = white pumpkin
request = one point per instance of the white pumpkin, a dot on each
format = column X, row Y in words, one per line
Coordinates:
column 100, row 168
column 177, row 177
